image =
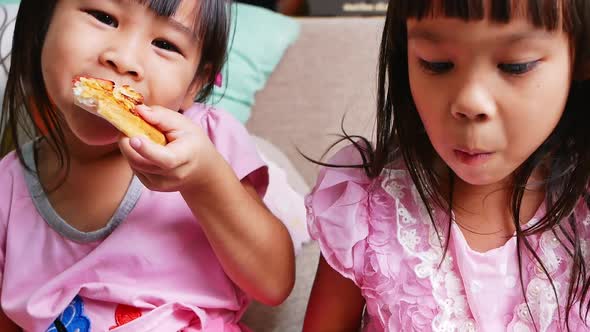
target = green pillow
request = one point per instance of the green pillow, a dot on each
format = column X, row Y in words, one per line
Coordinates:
column 258, row 44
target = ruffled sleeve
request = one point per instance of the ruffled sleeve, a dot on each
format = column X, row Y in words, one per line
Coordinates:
column 337, row 213
column 233, row 142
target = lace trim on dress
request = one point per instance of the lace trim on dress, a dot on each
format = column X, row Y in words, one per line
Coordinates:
column 447, row 287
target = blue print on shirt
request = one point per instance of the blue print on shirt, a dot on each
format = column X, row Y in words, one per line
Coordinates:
column 73, row 318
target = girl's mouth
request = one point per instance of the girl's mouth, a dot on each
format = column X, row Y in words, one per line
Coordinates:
column 472, row 157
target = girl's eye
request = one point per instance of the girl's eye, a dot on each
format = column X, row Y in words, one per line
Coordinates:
column 165, row 45
column 517, row 68
column 103, row 17
column 436, row 67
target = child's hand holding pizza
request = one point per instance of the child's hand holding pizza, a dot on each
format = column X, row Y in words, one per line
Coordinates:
column 187, row 161
column 161, row 166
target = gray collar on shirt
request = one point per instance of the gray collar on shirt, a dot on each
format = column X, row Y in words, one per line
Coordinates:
column 56, row 222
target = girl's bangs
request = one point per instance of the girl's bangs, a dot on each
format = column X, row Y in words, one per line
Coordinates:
column 548, row 14
column 166, row 8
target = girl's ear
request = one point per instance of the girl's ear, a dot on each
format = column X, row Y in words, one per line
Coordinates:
column 196, row 86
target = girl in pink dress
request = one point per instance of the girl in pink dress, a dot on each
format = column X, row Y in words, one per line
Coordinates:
column 100, row 232
column 470, row 211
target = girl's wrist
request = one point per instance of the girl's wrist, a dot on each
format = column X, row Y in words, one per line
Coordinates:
column 209, row 179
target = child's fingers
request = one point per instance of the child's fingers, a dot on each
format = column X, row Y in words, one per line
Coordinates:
column 136, row 161
column 159, row 155
column 162, row 118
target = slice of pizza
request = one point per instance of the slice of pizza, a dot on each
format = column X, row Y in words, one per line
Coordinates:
column 116, row 104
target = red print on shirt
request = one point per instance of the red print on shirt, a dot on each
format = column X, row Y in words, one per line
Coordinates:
column 124, row 314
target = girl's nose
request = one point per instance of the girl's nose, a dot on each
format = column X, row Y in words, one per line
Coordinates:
column 124, row 60
column 474, row 102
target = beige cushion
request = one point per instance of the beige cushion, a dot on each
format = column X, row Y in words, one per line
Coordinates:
column 329, row 71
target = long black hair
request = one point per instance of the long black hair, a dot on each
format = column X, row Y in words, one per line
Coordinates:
column 27, row 111
column 401, row 134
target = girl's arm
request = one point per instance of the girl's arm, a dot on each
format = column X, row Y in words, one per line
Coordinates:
column 335, row 303
column 253, row 246
column 6, row 325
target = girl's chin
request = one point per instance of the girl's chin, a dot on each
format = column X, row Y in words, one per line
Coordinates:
column 482, row 178
column 99, row 138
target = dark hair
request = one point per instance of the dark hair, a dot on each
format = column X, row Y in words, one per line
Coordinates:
column 26, row 95
column 401, row 134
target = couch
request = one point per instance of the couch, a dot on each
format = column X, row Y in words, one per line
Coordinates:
column 327, row 75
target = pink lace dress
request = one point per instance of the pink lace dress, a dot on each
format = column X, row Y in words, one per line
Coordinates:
column 377, row 233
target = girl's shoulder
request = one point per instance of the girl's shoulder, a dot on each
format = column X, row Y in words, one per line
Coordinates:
column 9, row 176
column 9, row 160
column 10, row 166
column 216, row 122
column 350, row 213
column 581, row 215
column 232, row 141
column 345, row 182
column 204, row 114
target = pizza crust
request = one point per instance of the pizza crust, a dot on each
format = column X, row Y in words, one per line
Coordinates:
column 116, row 104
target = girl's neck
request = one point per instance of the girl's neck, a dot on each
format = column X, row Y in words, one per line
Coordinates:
column 484, row 213
column 81, row 158
column 96, row 183
column 84, row 154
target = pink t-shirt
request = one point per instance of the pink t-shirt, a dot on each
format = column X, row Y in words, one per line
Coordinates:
column 377, row 233
column 150, row 269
